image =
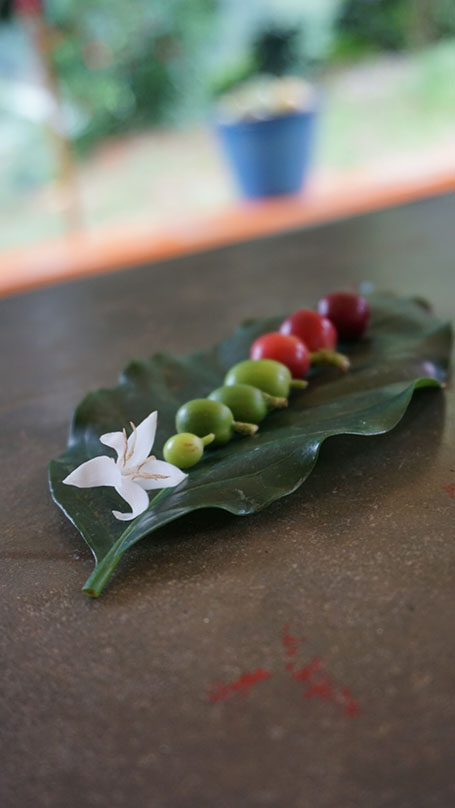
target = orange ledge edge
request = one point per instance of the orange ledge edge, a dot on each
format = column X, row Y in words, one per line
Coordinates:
column 82, row 254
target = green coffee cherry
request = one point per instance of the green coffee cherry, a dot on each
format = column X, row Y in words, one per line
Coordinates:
column 270, row 376
column 246, row 402
column 185, row 449
column 203, row 416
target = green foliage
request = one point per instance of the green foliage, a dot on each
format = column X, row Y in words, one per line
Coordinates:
column 391, row 25
column 129, row 65
column 276, row 50
column 406, row 347
column 126, row 65
column 229, row 76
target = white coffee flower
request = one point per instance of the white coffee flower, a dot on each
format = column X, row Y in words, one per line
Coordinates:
column 133, row 473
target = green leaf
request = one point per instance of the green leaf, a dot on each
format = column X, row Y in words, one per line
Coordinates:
column 406, row 348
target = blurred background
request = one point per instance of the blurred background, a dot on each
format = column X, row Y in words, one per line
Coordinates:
column 108, row 108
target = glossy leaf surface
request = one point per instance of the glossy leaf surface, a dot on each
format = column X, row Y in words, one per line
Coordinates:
column 406, row 347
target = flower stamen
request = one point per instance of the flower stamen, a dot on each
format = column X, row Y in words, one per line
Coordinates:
column 125, row 446
column 144, row 475
column 133, row 442
column 141, row 465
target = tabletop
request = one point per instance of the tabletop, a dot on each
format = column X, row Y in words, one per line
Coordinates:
column 121, row 701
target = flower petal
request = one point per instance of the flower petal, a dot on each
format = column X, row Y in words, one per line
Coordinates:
column 116, row 441
column 168, row 475
column 140, row 444
column 97, row 471
column 135, row 496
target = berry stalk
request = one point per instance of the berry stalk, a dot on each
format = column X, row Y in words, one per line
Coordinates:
column 243, row 428
column 326, row 357
column 274, row 402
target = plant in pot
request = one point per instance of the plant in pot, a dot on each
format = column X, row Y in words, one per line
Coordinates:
column 266, row 123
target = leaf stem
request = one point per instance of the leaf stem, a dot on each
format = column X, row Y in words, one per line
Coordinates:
column 96, row 582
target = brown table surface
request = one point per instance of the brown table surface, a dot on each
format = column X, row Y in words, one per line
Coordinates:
column 106, row 703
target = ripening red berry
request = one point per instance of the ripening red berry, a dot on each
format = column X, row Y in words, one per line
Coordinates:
column 287, row 349
column 314, row 330
column 349, row 313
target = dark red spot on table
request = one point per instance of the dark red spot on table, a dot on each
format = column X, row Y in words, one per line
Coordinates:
column 320, row 685
column 243, row 685
column 290, row 641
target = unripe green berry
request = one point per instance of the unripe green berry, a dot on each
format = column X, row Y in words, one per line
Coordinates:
column 202, row 416
column 185, row 449
column 246, row 402
column 270, row 376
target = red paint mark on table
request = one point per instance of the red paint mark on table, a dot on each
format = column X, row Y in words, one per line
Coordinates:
column 290, row 641
column 243, row 685
column 348, row 702
column 450, row 490
column 318, row 683
column 308, row 671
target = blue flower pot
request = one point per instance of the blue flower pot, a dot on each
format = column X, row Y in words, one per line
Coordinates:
column 270, row 157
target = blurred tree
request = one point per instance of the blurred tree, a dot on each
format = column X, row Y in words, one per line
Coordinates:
column 393, row 24
column 126, row 65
